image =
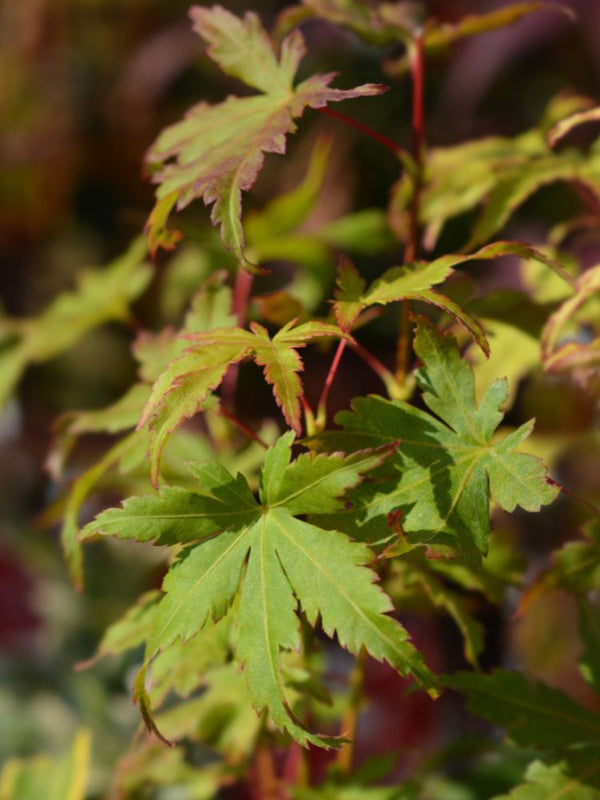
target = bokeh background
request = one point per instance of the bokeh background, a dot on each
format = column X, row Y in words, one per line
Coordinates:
column 85, row 87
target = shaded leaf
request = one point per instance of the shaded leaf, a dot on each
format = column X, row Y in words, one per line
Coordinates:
column 101, row 296
column 533, row 713
column 61, row 778
column 589, row 631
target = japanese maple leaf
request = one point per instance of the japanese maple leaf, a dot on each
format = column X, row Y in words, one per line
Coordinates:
column 216, row 152
column 448, row 464
column 276, row 563
column 185, row 386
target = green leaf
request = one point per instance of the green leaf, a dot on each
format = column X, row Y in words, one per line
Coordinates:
column 439, row 37
column 183, row 666
column 62, row 778
column 576, row 567
column 274, row 562
column 589, row 631
column 551, row 782
column 414, row 281
column 533, row 713
column 101, row 296
column 412, row 576
column 130, row 631
column 222, row 717
column 287, row 211
column 447, row 467
column 216, row 152
column 184, row 387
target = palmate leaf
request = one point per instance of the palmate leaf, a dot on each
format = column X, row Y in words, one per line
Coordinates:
column 274, row 562
column 446, row 467
column 184, row 387
column 414, row 281
column 216, row 152
column 533, row 713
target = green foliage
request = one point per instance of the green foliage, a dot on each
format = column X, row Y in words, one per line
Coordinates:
column 446, row 467
column 285, row 562
column 64, row 778
column 217, row 151
column 277, row 556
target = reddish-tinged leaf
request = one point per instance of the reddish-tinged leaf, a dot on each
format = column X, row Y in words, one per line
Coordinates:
column 216, row 152
column 565, row 126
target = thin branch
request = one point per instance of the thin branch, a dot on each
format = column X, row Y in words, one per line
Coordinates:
column 243, row 427
column 394, row 147
column 417, row 71
column 322, row 406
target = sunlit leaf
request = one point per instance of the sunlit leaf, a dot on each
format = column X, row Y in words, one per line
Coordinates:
column 273, row 562
column 216, row 152
column 185, row 386
column 448, row 464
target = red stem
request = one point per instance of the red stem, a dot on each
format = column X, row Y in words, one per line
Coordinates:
column 573, row 495
column 379, row 137
column 241, row 295
column 244, row 428
column 322, row 406
column 241, row 298
column 417, row 71
column 376, row 365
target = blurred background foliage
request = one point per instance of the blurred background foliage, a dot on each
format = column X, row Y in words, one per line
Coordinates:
column 86, row 87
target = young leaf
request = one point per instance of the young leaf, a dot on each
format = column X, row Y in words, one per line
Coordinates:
column 216, row 152
column 447, row 467
column 533, row 713
column 414, row 281
column 274, row 562
column 184, row 387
